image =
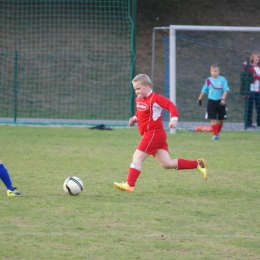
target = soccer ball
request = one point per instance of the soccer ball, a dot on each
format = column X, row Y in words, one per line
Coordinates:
column 73, row 186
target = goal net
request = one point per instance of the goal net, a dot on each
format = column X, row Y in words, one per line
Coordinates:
column 65, row 62
column 182, row 56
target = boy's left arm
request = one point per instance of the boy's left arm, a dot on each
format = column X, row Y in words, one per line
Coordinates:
column 224, row 95
column 223, row 98
column 225, row 92
column 173, row 123
column 173, row 113
column 167, row 104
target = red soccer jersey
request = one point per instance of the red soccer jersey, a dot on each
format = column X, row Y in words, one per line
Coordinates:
column 254, row 70
column 149, row 112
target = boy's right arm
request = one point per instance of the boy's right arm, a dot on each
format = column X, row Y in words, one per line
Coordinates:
column 203, row 90
column 199, row 101
column 133, row 119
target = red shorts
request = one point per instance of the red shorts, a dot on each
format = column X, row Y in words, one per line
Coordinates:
column 152, row 141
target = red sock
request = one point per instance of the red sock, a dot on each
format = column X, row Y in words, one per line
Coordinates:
column 133, row 174
column 215, row 128
column 220, row 127
column 186, row 164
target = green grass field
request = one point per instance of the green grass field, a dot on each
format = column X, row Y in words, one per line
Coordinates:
column 172, row 214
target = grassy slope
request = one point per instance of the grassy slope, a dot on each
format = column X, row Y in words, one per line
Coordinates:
column 152, row 14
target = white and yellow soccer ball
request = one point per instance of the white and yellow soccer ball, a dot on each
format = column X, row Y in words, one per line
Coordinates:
column 73, row 186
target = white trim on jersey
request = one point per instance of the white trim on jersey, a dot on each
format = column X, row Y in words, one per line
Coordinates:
column 157, row 111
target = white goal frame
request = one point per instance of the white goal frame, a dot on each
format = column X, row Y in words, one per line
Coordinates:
column 172, row 51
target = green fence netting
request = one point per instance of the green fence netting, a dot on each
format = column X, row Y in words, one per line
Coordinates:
column 65, row 62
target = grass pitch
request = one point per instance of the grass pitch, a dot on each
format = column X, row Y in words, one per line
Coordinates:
column 171, row 215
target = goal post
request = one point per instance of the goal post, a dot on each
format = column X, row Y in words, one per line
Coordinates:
column 192, row 49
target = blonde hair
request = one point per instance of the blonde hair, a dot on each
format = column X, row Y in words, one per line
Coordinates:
column 252, row 56
column 143, row 79
column 215, row 65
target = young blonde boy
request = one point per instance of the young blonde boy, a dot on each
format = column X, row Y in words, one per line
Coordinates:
column 217, row 88
column 149, row 106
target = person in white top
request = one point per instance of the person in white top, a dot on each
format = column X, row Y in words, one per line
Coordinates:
column 254, row 97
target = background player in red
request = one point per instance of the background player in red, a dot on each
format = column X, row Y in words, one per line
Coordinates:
column 149, row 106
column 254, row 96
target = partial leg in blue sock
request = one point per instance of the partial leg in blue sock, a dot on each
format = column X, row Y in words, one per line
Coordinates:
column 5, row 177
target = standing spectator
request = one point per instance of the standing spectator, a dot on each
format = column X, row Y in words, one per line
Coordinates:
column 217, row 88
column 254, row 94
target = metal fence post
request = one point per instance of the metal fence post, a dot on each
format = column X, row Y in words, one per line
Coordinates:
column 15, row 84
